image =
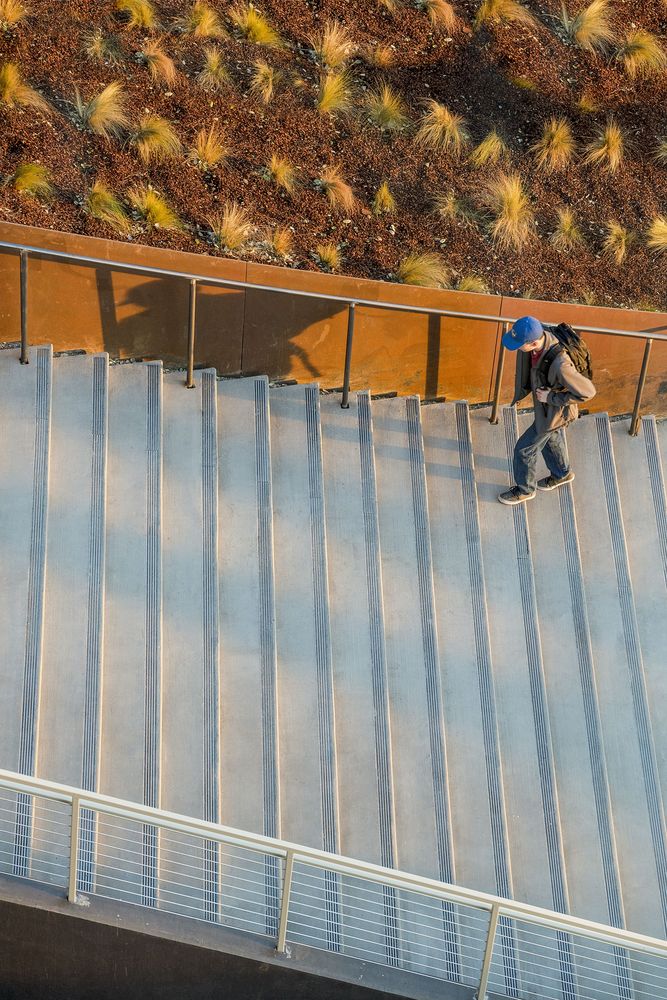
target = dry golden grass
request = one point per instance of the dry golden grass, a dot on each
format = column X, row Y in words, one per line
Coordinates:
column 523, row 82
column 617, row 241
column 441, row 13
column 201, row 21
column 426, row 269
column 159, row 64
column 155, row 139
column 384, row 201
column 386, row 109
column 12, row 13
column 513, row 217
column 102, row 204
column 472, row 283
column 213, row 75
column 586, row 104
column 490, row 150
column 608, row 148
column 657, row 234
column 32, row 179
column 231, row 228
column 641, row 54
column 281, row 241
column 450, row 205
column 338, row 191
column 442, row 129
column 333, row 45
column 15, row 93
column 566, row 235
column 281, row 173
column 152, row 209
column 103, row 114
column 102, row 48
column 591, row 28
column 264, row 80
column 660, row 153
column 209, row 150
column 328, row 256
column 334, row 92
column 506, row 11
column 555, row 149
column 137, row 13
column 253, row 25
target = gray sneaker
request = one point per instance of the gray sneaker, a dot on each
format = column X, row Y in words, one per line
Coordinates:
column 515, row 496
column 551, row 483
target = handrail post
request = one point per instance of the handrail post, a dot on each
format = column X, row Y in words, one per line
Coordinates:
column 24, row 359
column 74, row 849
column 488, row 952
column 345, row 402
column 281, row 946
column 493, row 419
column 636, row 419
column 192, row 319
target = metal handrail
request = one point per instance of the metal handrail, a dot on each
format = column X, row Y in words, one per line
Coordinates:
column 351, row 302
column 79, row 799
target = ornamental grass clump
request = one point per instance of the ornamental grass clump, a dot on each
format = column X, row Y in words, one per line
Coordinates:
column 102, row 48
column 490, row 150
column 555, row 149
column 333, row 93
column 513, row 217
column 472, row 283
column 380, row 56
column 328, row 256
column 137, row 13
column 264, row 80
column 339, row 193
column 152, row 209
column 386, row 109
column 591, row 28
column 213, row 76
column 15, row 93
column 384, row 201
column 12, row 13
column 660, row 152
column 657, row 234
column 281, row 173
column 33, row 180
column 567, row 235
column 641, row 54
column 607, row 149
column 442, row 129
column 209, row 150
column 504, row 12
column 333, row 45
column 617, row 241
column 155, row 139
column 281, row 241
column 450, row 205
column 201, row 21
column 102, row 204
column 425, row 269
column 253, row 26
column 441, row 14
column 231, row 228
column 158, row 63
column 103, row 114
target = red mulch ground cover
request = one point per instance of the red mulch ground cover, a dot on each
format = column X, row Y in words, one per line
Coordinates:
column 474, row 73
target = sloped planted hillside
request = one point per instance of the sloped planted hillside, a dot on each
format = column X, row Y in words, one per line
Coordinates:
column 522, row 149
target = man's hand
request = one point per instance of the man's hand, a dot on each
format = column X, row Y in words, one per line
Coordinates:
column 542, row 394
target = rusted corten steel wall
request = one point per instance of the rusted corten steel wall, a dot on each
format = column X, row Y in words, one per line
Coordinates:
column 287, row 337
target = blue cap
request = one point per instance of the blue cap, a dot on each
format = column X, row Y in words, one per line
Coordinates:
column 525, row 331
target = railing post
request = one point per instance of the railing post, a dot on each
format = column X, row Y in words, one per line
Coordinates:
column 493, row 419
column 74, row 849
column 345, row 402
column 192, row 319
column 281, row 946
column 488, row 952
column 636, row 419
column 24, row 359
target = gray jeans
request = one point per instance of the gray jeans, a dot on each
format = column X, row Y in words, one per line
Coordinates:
column 530, row 444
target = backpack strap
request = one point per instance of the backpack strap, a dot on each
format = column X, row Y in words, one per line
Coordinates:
column 547, row 358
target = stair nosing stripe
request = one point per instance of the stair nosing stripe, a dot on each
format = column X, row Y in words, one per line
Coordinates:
column 634, row 658
column 657, row 485
column 209, row 460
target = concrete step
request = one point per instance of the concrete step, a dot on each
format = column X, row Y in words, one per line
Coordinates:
column 634, row 784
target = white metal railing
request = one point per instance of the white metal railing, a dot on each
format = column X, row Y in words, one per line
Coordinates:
column 91, row 844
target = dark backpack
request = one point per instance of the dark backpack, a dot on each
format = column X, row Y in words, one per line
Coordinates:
column 570, row 341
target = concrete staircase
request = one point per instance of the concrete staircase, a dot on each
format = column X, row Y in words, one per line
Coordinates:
column 245, row 604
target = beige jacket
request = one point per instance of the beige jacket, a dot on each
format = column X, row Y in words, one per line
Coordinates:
column 567, row 388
